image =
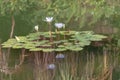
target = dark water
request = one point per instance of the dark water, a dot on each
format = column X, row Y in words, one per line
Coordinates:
column 21, row 27
column 85, row 64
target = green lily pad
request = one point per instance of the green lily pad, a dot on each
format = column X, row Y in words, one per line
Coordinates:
column 48, row 50
column 67, row 32
column 57, row 42
column 17, row 46
column 39, row 43
column 36, row 49
column 64, row 40
column 45, row 45
column 49, row 36
column 74, row 48
column 22, row 39
column 97, row 37
column 61, row 46
column 60, row 49
column 29, row 45
column 77, row 49
column 7, row 46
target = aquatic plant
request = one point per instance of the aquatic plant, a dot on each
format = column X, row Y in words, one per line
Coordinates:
column 44, row 46
column 36, row 28
column 40, row 41
column 48, row 19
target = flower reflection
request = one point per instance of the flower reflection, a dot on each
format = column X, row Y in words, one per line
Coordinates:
column 51, row 66
column 60, row 56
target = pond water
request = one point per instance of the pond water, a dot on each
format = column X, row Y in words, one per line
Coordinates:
column 84, row 65
column 89, row 64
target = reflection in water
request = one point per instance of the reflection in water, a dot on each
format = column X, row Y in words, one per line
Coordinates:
column 84, row 65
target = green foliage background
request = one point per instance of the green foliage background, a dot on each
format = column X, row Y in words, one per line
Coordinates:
column 77, row 13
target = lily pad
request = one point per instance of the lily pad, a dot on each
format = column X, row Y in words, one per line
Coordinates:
column 36, row 49
column 7, row 46
column 17, row 46
column 77, row 49
column 60, row 49
column 29, row 45
column 48, row 50
column 22, row 39
column 40, row 41
column 67, row 32
column 61, row 46
column 37, row 43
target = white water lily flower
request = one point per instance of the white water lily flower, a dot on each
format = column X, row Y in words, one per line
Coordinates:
column 36, row 27
column 18, row 39
column 59, row 25
column 49, row 19
column 51, row 66
column 60, row 56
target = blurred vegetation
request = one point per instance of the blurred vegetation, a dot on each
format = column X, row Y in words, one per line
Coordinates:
column 81, row 13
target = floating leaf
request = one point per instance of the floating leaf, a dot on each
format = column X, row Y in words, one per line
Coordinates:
column 7, row 46
column 36, row 49
column 45, row 45
column 47, row 50
column 64, row 40
column 40, row 41
column 22, row 38
column 33, row 38
column 67, row 32
column 49, row 36
column 61, row 46
column 17, row 46
column 57, row 42
column 97, row 37
column 29, row 45
column 60, row 49
column 77, row 49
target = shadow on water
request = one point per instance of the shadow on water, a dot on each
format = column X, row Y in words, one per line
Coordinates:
column 102, row 64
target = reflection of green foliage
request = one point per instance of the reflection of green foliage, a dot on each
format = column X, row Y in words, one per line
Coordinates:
column 73, row 41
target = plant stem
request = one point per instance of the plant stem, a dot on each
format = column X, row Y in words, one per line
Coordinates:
column 11, row 34
column 50, row 31
column 12, row 27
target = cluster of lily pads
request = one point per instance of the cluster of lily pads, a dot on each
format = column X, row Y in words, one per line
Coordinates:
column 59, row 40
column 56, row 41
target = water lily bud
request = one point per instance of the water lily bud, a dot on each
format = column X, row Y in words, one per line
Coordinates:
column 36, row 27
column 49, row 19
column 59, row 25
column 60, row 56
column 51, row 66
column 17, row 38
